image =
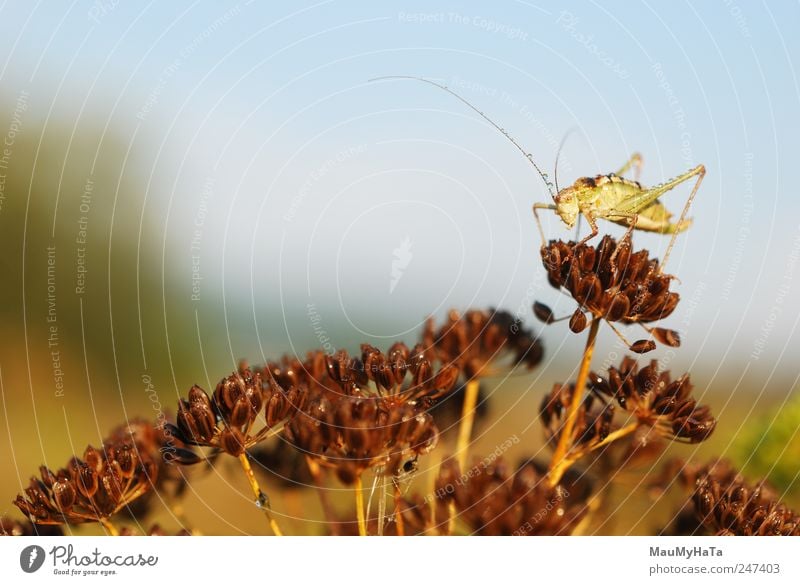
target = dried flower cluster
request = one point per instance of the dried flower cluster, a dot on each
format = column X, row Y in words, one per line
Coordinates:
column 377, row 411
column 655, row 399
column 649, row 394
column 479, row 339
column 229, row 420
column 726, row 504
column 502, row 501
column 351, row 435
column 92, row 488
column 612, row 283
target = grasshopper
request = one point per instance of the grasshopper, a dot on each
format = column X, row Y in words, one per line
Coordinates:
column 611, row 197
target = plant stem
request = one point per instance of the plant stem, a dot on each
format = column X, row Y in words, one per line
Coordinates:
column 557, row 467
column 382, row 506
column 467, row 420
column 451, row 520
column 109, row 526
column 322, row 493
column 398, row 511
column 362, row 521
column 618, row 434
column 262, row 501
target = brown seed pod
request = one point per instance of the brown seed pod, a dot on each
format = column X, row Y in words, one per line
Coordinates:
column 578, row 322
column 667, row 336
column 642, row 346
column 543, row 313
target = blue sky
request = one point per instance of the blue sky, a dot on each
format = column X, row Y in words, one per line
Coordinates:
column 315, row 187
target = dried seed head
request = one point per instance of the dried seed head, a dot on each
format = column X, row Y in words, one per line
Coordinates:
column 90, row 488
column 478, row 340
column 656, row 399
column 726, row 504
column 495, row 500
column 612, row 282
column 227, row 420
column 353, row 434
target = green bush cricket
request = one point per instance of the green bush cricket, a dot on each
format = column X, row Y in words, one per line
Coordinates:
column 611, row 197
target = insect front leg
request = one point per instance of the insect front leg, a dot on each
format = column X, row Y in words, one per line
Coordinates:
column 633, row 218
column 636, row 162
column 590, row 218
column 536, row 207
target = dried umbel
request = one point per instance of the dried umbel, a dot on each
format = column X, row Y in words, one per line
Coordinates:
column 157, row 443
column 231, row 420
column 92, row 488
column 353, row 434
column 498, row 501
column 479, row 340
column 655, row 399
column 613, row 283
column 399, row 375
column 727, row 505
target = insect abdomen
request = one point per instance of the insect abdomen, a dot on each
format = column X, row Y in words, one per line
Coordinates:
column 613, row 190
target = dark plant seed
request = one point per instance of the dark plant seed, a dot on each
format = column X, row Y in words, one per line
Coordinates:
column 543, row 312
column 668, row 337
column 577, row 322
column 643, row 346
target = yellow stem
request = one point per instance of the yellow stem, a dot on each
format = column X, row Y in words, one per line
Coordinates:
column 262, row 501
column 362, row 521
column 467, row 421
column 322, row 493
column 618, row 434
column 109, row 526
column 557, row 467
column 567, row 462
column 398, row 511
column 451, row 521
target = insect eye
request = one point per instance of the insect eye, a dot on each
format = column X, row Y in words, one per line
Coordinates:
column 410, row 465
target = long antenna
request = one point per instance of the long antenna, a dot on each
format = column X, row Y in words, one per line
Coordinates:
column 555, row 174
column 558, row 153
column 503, row 131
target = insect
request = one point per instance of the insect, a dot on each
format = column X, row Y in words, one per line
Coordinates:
column 611, row 197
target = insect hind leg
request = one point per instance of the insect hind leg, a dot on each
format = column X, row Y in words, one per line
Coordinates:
column 634, row 161
column 682, row 224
